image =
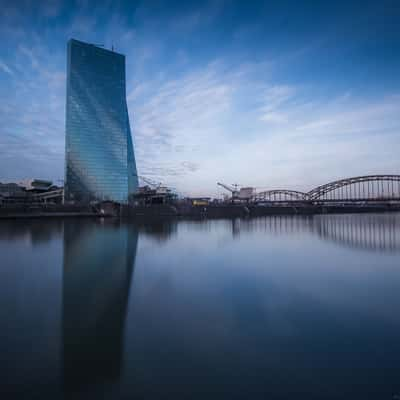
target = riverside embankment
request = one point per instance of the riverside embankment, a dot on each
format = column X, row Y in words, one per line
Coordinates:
column 227, row 210
column 239, row 210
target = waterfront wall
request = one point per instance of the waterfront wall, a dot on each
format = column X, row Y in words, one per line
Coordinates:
column 109, row 209
column 236, row 210
column 45, row 210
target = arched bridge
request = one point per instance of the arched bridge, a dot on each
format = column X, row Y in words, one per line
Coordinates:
column 280, row 195
column 369, row 187
column 359, row 188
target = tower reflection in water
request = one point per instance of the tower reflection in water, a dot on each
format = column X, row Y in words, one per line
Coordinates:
column 99, row 259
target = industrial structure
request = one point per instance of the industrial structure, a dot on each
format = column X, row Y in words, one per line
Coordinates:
column 152, row 193
column 244, row 193
column 99, row 158
column 30, row 191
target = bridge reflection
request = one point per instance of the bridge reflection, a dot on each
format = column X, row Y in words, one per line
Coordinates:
column 378, row 232
column 99, row 259
column 372, row 232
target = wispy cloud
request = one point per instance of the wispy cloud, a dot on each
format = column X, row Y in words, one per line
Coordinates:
column 180, row 121
column 5, row 68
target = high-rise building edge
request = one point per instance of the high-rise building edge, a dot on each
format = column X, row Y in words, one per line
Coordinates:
column 99, row 157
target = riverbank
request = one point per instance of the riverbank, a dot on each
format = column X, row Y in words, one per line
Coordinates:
column 188, row 211
column 47, row 211
column 235, row 210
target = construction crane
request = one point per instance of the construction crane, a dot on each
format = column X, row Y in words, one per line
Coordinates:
column 158, row 187
column 150, row 182
column 233, row 189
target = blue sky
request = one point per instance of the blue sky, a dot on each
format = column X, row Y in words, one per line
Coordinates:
column 265, row 94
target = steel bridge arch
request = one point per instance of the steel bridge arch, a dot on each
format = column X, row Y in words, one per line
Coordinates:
column 293, row 194
column 322, row 190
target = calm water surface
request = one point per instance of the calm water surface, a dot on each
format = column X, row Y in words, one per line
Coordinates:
column 276, row 307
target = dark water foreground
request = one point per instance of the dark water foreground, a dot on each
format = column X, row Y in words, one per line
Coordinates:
column 267, row 308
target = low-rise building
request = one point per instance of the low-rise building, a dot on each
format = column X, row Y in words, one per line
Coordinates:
column 29, row 191
column 36, row 185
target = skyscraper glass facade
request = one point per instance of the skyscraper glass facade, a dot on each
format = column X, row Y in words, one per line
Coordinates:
column 100, row 162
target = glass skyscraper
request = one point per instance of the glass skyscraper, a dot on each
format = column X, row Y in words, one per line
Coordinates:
column 100, row 162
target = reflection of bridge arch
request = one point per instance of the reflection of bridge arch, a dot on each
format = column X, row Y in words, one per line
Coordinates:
column 275, row 224
column 369, row 187
column 280, row 195
column 373, row 232
column 376, row 232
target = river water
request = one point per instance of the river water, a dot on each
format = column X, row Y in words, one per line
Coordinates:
column 274, row 307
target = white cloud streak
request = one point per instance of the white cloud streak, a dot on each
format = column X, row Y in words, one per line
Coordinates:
column 5, row 68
